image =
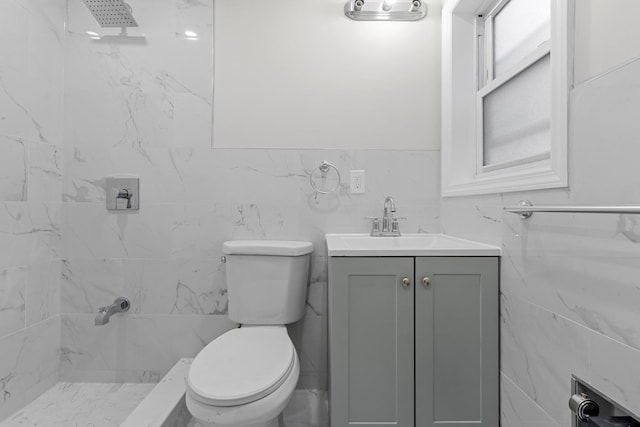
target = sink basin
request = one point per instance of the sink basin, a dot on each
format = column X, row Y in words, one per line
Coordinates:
column 418, row 244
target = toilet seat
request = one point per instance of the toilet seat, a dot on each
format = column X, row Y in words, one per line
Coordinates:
column 241, row 366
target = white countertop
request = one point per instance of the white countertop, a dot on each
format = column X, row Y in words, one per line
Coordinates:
column 410, row 244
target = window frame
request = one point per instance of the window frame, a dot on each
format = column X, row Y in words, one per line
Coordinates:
column 463, row 172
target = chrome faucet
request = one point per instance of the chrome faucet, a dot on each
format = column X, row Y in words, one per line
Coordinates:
column 120, row 305
column 390, row 225
column 389, row 208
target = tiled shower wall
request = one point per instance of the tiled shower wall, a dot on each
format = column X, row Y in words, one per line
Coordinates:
column 31, row 115
column 144, row 106
column 570, row 282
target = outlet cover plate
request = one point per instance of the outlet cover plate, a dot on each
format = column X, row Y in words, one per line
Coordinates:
column 357, row 181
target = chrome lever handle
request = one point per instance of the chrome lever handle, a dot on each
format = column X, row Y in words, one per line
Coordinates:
column 125, row 194
column 375, row 224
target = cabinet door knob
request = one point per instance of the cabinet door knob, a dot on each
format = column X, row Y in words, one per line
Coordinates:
column 406, row 282
column 426, row 281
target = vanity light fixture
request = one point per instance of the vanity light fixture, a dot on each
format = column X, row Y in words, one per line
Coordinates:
column 385, row 10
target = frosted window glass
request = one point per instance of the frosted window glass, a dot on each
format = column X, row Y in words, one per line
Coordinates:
column 517, row 116
column 519, row 28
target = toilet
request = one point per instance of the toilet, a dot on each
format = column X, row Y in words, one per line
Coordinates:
column 246, row 376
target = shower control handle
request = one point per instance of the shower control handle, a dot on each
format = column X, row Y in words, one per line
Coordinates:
column 125, row 194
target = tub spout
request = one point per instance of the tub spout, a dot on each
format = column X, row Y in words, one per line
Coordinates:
column 120, row 305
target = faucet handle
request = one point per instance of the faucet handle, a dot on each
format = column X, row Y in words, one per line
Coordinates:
column 395, row 227
column 375, row 224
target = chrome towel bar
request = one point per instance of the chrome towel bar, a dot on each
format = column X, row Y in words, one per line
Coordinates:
column 526, row 209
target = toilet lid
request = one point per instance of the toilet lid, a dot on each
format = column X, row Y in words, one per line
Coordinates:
column 241, row 366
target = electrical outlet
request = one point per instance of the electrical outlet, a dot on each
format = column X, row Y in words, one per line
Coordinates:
column 357, row 181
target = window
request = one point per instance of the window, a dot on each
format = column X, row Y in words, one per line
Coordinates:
column 505, row 95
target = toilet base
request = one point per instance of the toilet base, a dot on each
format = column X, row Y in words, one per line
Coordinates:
column 276, row 422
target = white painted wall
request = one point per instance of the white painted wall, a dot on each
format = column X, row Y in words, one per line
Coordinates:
column 299, row 74
column 607, row 34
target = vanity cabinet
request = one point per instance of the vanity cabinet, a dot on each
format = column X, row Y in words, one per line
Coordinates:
column 414, row 341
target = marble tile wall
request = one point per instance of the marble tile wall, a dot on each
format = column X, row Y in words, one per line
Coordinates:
column 31, row 117
column 144, row 106
column 570, row 282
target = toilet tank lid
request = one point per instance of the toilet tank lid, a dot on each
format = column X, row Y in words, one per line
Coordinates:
column 267, row 247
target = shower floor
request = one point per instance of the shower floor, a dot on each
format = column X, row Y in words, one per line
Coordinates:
column 81, row 404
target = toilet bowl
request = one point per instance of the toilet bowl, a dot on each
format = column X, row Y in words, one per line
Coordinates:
column 244, row 378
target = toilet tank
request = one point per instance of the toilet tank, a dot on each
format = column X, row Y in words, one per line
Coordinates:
column 267, row 280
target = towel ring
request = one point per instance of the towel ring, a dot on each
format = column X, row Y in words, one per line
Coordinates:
column 324, row 168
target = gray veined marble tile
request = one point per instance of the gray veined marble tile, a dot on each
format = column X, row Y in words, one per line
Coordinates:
column 92, row 232
column 181, row 287
column 43, row 291
column 612, row 370
column 30, row 233
column 29, row 361
column 31, row 74
column 540, row 351
column 45, row 172
column 13, row 169
column 600, row 293
column 12, row 300
column 88, row 284
column 131, row 346
column 518, row 410
column 45, row 226
column 198, row 231
column 98, row 405
column 310, row 338
column 191, row 121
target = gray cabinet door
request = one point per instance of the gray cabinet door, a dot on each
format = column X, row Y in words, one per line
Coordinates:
column 371, row 342
column 457, row 342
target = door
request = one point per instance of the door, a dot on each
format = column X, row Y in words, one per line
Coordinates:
column 457, row 341
column 371, row 341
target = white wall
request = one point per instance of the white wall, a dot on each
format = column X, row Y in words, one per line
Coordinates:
column 569, row 282
column 300, row 74
column 606, row 36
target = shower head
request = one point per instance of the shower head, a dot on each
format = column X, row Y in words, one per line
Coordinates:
column 111, row 13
